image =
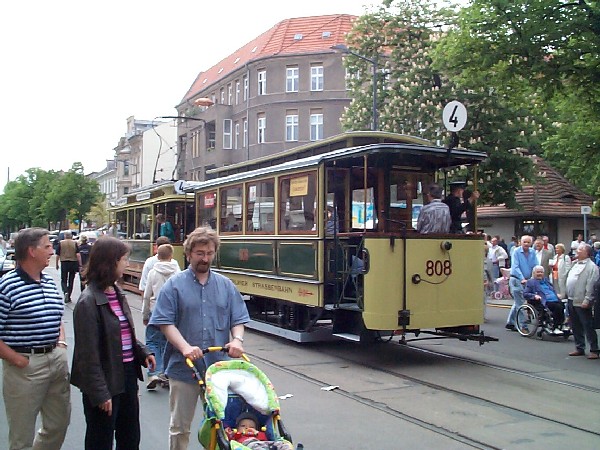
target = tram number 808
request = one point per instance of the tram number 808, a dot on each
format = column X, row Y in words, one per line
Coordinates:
column 438, row 268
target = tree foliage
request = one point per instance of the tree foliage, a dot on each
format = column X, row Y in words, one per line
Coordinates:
column 41, row 198
column 415, row 91
column 550, row 48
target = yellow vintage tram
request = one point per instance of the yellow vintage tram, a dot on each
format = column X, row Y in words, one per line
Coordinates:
column 321, row 239
column 133, row 220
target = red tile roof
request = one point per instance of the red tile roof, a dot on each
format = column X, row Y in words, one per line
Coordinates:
column 552, row 196
column 318, row 33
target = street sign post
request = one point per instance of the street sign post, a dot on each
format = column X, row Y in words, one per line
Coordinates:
column 585, row 210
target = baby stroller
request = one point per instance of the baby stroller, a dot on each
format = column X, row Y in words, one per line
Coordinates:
column 230, row 388
column 501, row 291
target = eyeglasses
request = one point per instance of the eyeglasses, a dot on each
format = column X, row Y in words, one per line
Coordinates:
column 203, row 254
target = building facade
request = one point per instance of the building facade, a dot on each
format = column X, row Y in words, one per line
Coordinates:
column 107, row 181
column 129, row 156
column 283, row 89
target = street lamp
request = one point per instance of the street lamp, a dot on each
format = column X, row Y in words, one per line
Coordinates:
column 345, row 50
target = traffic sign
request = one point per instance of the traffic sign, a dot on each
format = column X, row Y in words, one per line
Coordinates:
column 454, row 116
column 586, row 210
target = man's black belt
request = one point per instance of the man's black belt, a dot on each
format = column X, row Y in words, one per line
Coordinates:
column 40, row 350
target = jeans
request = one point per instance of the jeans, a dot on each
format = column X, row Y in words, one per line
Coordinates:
column 582, row 326
column 68, row 269
column 156, row 343
column 516, row 289
column 124, row 423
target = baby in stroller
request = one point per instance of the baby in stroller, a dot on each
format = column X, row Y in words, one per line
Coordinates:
column 241, row 408
column 246, row 433
column 501, row 290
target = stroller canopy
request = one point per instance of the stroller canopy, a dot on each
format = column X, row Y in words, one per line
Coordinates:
column 241, row 378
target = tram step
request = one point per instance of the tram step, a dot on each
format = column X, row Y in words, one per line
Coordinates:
column 346, row 306
column 348, row 336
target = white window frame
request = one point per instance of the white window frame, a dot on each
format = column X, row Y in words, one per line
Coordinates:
column 222, row 96
column 316, row 78
column 261, row 127
column 227, row 133
column 236, row 136
column 246, row 86
column 262, row 82
column 291, row 128
column 229, row 94
column 245, row 135
column 237, row 92
column 316, row 127
column 292, row 79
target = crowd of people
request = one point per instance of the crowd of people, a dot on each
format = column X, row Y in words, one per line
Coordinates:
column 107, row 357
column 566, row 283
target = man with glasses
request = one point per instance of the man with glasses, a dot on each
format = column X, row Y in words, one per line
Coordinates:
column 195, row 309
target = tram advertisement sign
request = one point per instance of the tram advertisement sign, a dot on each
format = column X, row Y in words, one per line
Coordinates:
column 209, row 200
column 299, row 186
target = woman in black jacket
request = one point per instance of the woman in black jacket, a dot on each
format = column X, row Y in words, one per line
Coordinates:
column 107, row 357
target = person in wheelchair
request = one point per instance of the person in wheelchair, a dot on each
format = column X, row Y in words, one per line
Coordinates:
column 541, row 295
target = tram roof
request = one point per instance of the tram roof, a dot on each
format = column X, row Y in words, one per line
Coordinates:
column 432, row 157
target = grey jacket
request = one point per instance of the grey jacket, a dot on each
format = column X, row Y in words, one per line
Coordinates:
column 97, row 368
column 584, row 287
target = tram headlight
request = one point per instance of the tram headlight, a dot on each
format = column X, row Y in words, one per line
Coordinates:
column 446, row 246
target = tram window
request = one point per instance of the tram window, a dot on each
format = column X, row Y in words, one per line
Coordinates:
column 174, row 212
column 363, row 218
column 207, row 209
column 260, row 206
column 297, row 203
column 121, row 218
column 142, row 223
column 406, row 197
column 231, row 209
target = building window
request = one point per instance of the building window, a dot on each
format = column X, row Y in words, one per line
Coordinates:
column 316, row 78
column 291, row 79
column 227, row 133
column 222, row 96
column 245, row 137
column 245, row 88
column 236, row 142
column 262, row 128
column 195, row 144
column 291, row 127
column 316, row 127
column 229, row 94
column 237, row 92
column 262, row 82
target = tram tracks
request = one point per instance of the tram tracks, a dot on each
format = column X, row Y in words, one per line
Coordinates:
column 529, row 409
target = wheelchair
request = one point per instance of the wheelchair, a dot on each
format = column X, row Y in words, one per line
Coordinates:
column 536, row 319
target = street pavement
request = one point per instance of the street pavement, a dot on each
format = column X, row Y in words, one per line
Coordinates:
column 356, row 416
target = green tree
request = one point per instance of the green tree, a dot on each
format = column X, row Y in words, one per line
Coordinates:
column 73, row 196
column 549, row 49
column 415, row 91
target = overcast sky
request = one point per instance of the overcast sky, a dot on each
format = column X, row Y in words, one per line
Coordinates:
column 73, row 71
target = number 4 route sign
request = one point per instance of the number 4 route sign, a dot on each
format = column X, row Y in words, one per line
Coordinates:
column 455, row 116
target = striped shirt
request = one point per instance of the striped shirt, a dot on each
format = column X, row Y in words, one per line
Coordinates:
column 126, row 334
column 434, row 218
column 30, row 311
